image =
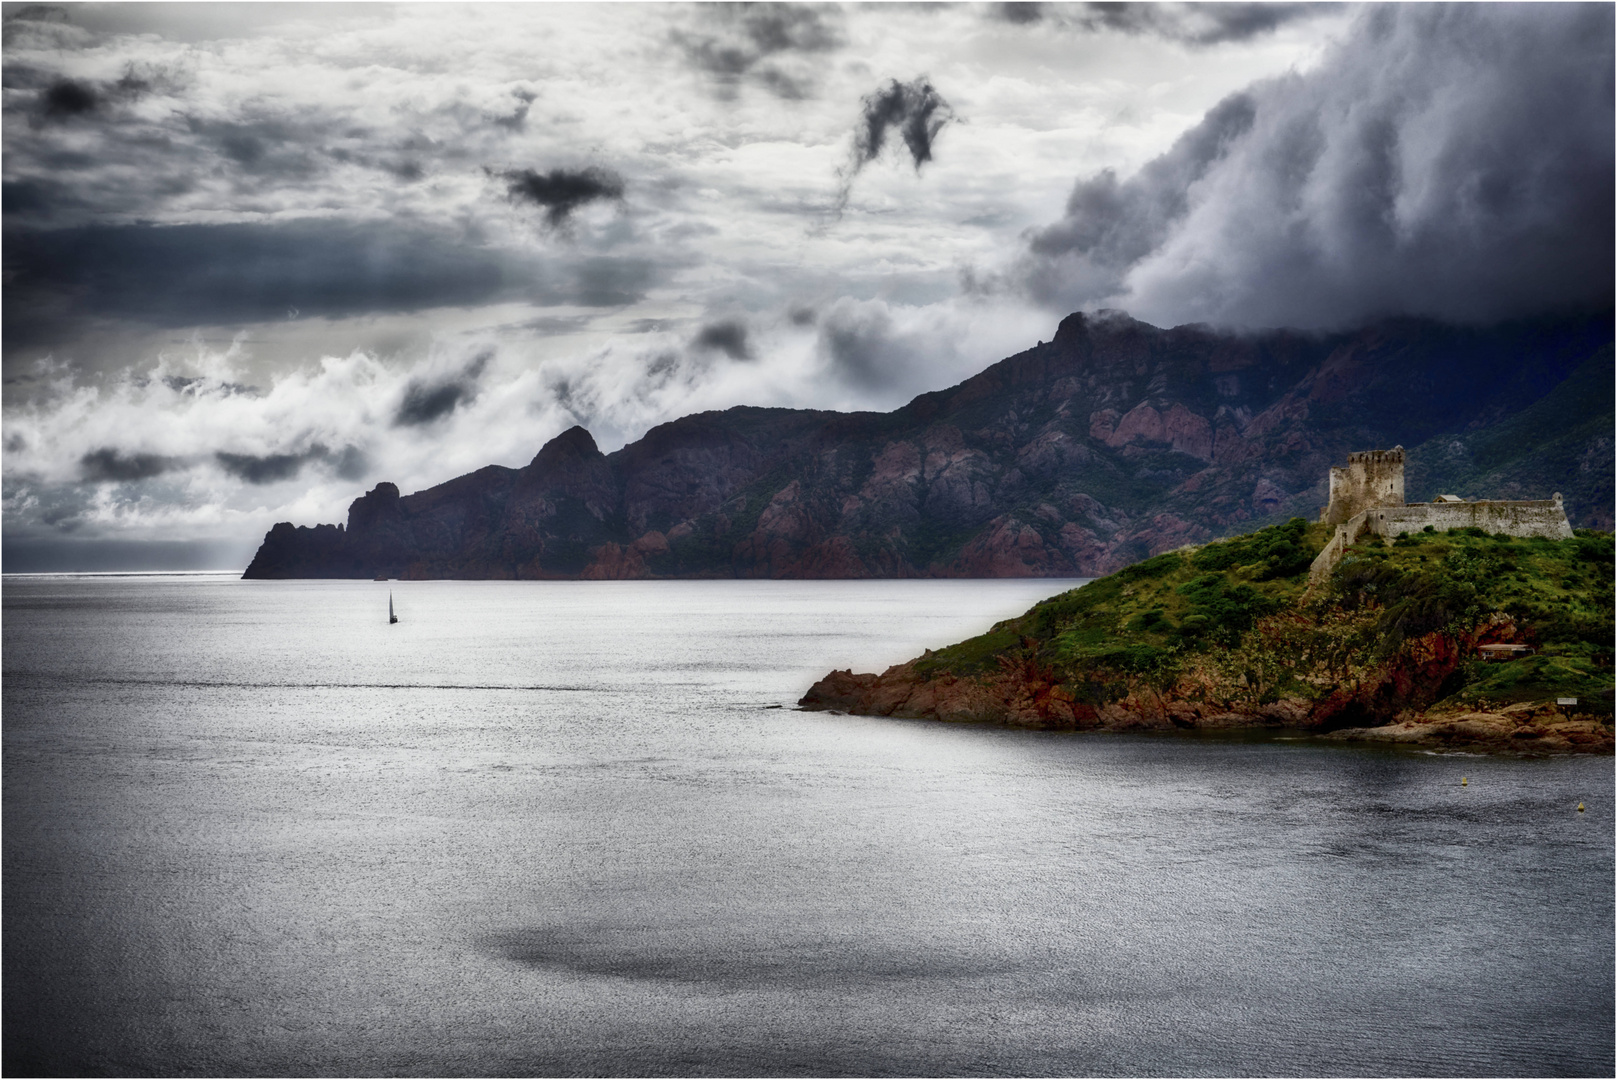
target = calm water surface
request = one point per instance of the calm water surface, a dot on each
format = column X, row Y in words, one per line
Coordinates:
column 577, row 828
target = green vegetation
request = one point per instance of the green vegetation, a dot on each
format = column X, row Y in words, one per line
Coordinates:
column 1236, row 620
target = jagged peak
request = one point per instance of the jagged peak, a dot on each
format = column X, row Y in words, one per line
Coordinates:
column 576, row 442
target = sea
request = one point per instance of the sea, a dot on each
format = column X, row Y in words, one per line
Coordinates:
column 580, row 828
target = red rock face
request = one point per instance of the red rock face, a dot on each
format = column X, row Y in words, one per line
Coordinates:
column 1112, row 442
column 1023, row 695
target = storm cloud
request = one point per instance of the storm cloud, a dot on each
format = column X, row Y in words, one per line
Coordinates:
column 772, row 44
column 1192, row 24
column 1110, row 226
column 728, row 336
column 63, row 99
column 199, row 275
column 108, row 464
column 432, row 399
column 915, row 111
column 1451, row 161
column 349, row 463
column 559, row 192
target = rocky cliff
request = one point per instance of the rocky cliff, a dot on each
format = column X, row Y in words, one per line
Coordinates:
column 1232, row 635
column 1112, row 442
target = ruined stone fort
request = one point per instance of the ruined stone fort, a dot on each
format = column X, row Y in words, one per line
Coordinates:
column 1367, row 496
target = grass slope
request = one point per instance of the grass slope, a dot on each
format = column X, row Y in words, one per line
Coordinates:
column 1234, row 621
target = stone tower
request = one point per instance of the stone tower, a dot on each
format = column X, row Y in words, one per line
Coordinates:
column 1371, row 478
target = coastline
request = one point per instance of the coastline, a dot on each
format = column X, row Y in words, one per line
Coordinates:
column 1010, row 700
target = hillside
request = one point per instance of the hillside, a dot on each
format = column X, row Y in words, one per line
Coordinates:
column 1112, row 442
column 1228, row 635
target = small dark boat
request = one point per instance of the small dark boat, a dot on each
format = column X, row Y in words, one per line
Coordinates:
column 391, row 618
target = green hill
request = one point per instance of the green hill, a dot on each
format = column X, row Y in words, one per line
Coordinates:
column 1229, row 635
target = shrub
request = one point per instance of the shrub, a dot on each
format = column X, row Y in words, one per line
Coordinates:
column 1277, row 551
column 1229, row 610
column 1148, row 620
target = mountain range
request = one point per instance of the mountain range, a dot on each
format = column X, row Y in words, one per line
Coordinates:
column 1111, row 442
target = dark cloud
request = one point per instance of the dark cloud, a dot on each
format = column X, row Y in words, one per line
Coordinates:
column 188, row 275
column 1192, row 24
column 212, row 275
column 261, row 469
column 728, row 337
column 611, row 282
column 428, row 400
column 64, row 98
column 561, row 191
column 1111, row 225
column 1454, row 161
column 349, row 463
column 109, row 464
column 279, row 145
column 859, row 342
column 61, row 99
column 914, row 110
column 767, row 42
column 1021, row 14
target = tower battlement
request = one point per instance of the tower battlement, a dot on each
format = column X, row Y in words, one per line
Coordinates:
column 1371, row 478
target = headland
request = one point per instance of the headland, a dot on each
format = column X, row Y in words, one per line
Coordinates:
column 1455, row 637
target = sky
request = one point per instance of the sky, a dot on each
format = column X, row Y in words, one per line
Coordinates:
column 259, row 257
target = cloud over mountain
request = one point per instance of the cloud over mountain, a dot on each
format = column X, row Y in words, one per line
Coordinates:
column 1442, row 160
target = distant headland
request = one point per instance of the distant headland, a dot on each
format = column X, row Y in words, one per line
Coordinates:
column 1108, row 444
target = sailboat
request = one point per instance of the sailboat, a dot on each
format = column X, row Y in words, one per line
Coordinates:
column 391, row 618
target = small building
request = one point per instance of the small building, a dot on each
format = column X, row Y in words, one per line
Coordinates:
column 1503, row 652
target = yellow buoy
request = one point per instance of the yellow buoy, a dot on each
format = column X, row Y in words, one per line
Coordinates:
column 1463, row 781
column 1580, row 808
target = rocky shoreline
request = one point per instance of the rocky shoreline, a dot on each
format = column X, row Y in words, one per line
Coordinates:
column 1011, row 699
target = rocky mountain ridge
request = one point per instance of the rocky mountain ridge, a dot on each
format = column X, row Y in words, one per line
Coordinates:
column 1111, row 442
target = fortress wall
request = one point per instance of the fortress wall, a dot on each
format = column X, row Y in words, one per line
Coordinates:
column 1537, row 517
column 1341, row 539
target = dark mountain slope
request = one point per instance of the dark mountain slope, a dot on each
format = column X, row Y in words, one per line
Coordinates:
column 1112, row 442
